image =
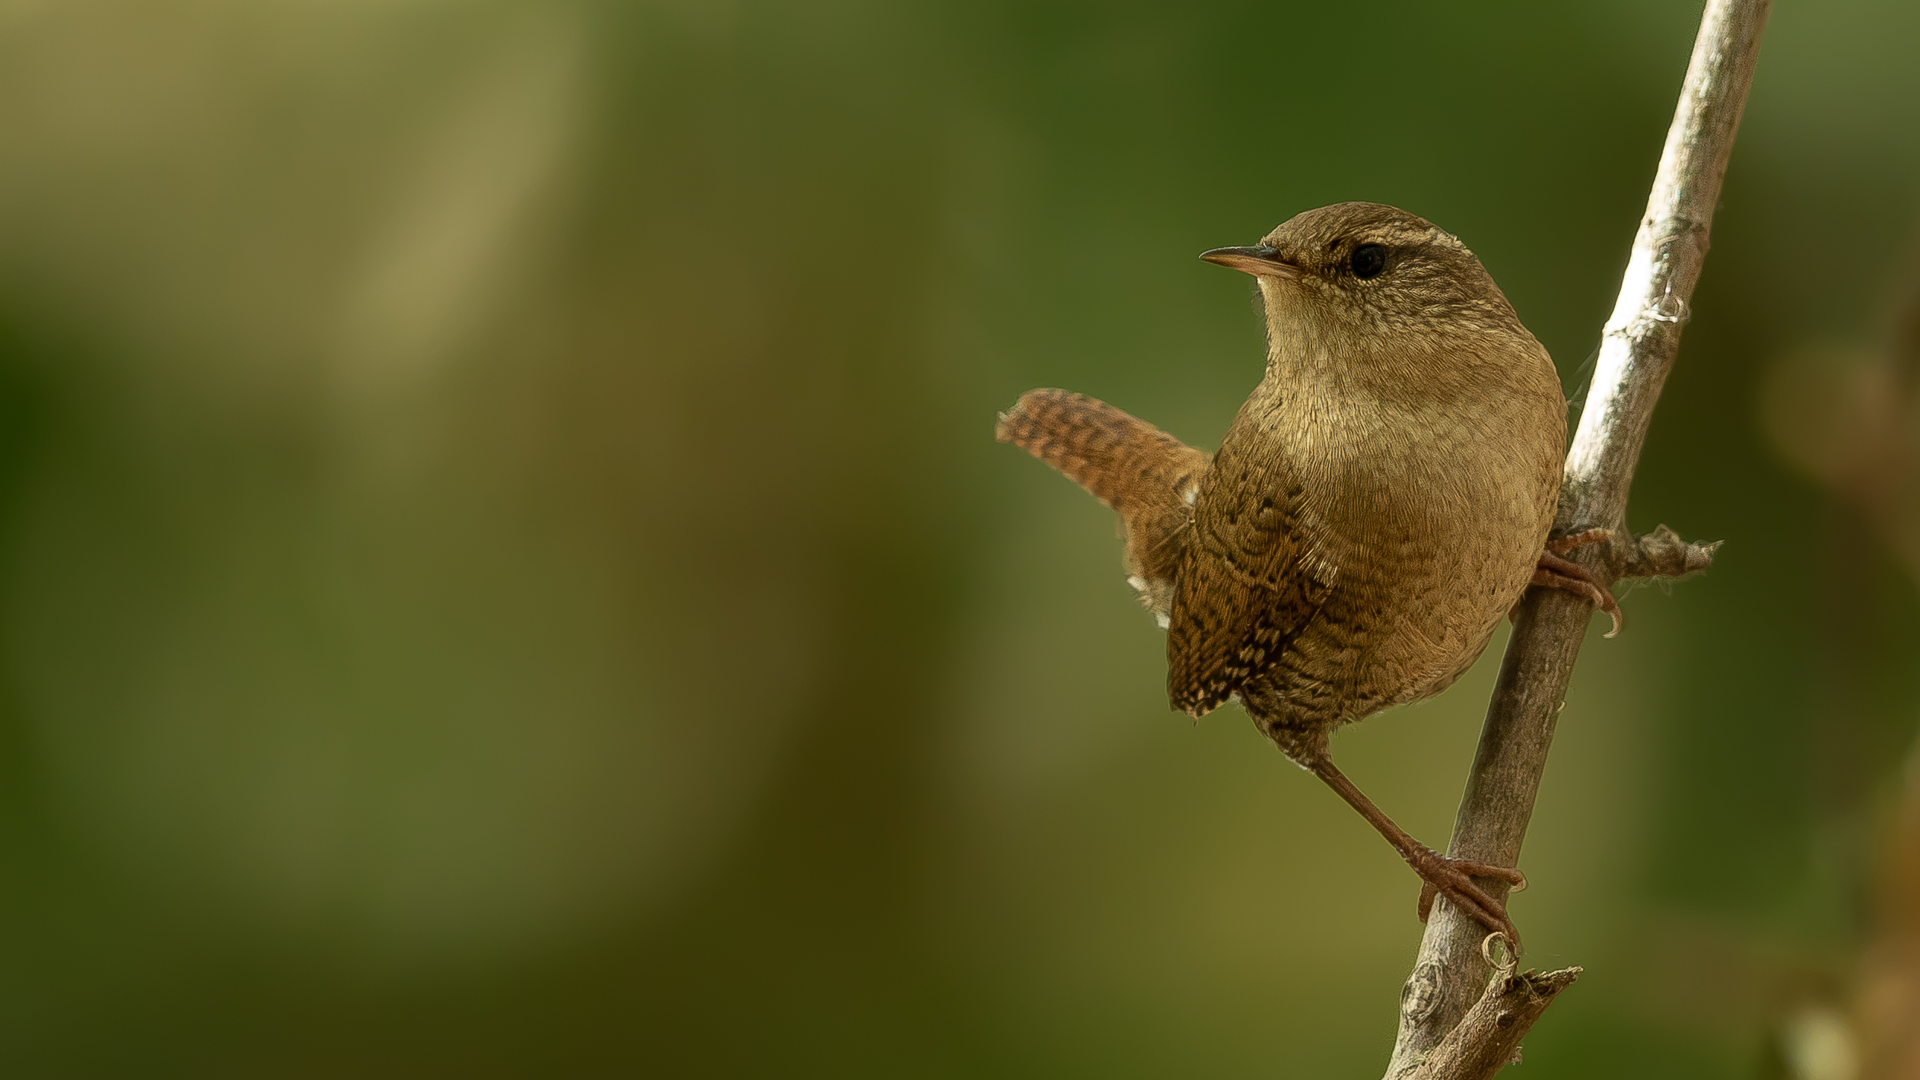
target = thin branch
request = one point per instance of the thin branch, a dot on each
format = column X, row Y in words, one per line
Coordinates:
column 1637, row 352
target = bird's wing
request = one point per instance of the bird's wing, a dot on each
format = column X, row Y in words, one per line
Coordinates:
column 1149, row 477
column 1253, row 579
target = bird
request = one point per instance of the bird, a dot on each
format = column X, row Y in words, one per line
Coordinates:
column 1384, row 497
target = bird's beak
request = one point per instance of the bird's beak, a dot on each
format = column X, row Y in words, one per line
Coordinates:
column 1259, row 260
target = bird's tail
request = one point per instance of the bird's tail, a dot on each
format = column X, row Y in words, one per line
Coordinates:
column 1149, row 477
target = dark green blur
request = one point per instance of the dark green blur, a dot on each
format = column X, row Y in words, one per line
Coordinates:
column 505, row 569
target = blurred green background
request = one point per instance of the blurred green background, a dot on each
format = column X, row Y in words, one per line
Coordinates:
column 505, row 569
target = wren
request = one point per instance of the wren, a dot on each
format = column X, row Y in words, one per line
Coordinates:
column 1382, row 499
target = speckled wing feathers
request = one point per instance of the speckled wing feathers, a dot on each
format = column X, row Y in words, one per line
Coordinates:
column 1249, row 587
column 1234, row 586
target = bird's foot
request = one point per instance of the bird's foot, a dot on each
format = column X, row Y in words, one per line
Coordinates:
column 1453, row 878
column 1558, row 573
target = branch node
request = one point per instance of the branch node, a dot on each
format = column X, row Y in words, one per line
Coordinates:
column 1660, row 553
column 1488, row 1038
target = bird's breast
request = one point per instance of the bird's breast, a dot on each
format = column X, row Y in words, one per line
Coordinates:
column 1427, row 520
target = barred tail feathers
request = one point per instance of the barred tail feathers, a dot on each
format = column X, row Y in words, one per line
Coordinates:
column 1146, row 475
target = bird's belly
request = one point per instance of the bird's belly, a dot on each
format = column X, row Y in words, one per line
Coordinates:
column 1371, row 649
column 1427, row 570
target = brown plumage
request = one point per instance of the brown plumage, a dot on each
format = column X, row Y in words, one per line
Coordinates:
column 1147, row 476
column 1382, row 499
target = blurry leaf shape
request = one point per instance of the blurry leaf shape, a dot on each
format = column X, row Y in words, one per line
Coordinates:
column 1819, row 1045
column 1849, row 419
column 457, row 225
column 1887, row 996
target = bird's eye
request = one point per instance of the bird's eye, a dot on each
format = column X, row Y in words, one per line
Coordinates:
column 1368, row 261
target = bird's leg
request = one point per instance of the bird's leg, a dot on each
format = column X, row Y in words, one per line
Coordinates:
column 1449, row 877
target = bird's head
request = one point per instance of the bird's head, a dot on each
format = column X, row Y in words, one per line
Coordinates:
column 1369, row 277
